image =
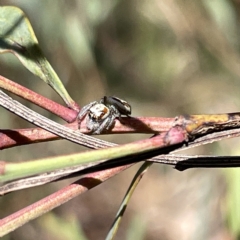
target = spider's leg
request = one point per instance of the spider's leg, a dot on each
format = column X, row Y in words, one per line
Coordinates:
column 101, row 126
column 84, row 111
column 106, row 124
column 116, row 113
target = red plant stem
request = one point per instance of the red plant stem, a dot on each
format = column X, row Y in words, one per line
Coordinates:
column 174, row 136
column 65, row 113
column 56, row 199
column 16, row 137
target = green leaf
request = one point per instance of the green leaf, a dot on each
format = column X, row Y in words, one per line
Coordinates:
column 113, row 230
column 17, row 37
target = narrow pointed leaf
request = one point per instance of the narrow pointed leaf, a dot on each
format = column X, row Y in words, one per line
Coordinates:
column 17, row 37
column 112, row 232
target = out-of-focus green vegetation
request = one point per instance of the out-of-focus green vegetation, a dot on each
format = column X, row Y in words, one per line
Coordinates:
column 166, row 57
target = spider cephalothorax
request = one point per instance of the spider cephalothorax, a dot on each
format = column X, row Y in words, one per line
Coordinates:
column 101, row 115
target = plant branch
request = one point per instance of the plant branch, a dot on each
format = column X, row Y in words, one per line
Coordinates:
column 17, row 219
column 139, row 150
column 65, row 113
column 169, row 159
column 49, row 125
column 17, row 137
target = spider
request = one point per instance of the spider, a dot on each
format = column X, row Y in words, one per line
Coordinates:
column 101, row 115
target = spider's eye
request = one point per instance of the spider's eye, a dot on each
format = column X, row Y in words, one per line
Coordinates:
column 99, row 112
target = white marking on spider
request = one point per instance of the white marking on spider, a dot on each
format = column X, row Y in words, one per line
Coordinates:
column 101, row 115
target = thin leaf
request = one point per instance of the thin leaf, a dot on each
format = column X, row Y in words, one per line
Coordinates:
column 132, row 187
column 17, row 37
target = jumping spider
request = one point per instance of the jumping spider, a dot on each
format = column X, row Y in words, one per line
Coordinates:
column 101, row 115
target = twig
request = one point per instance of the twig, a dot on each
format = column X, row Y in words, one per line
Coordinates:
column 65, row 113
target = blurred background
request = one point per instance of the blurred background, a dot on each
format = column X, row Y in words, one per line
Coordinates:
column 165, row 57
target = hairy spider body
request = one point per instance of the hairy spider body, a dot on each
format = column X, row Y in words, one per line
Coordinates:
column 101, row 115
column 119, row 104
